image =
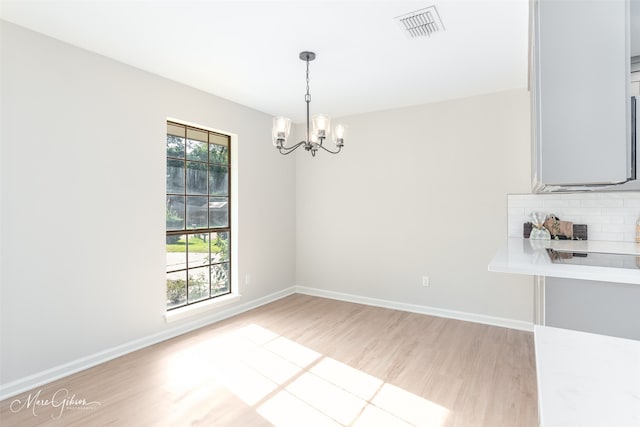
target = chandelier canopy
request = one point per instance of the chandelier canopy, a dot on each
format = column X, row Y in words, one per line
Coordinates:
column 317, row 132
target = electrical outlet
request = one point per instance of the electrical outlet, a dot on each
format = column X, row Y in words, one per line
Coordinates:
column 425, row 281
column 247, row 279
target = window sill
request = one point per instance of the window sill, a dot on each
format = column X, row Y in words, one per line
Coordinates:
column 199, row 308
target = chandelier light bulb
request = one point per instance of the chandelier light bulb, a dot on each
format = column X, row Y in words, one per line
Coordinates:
column 338, row 135
column 281, row 129
column 321, row 125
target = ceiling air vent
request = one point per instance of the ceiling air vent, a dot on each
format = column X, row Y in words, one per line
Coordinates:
column 420, row 23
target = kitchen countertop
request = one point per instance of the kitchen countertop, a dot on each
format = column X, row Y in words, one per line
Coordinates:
column 586, row 380
column 524, row 256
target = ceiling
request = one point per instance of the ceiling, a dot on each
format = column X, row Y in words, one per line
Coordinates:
column 247, row 51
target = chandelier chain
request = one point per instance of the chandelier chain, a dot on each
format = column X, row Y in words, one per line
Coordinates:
column 307, row 97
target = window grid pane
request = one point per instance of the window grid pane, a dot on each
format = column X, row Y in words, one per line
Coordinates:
column 198, row 229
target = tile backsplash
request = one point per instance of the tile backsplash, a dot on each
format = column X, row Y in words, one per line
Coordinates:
column 609, row 216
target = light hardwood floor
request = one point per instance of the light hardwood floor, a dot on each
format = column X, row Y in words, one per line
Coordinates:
column 306, row 361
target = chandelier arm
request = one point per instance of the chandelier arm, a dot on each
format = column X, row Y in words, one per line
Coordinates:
column 288, row 150
column 329, row 151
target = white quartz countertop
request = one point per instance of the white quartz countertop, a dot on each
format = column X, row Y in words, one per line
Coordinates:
column 586, row 380
column 524, row 256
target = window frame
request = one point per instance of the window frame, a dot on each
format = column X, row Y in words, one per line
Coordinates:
column 209, row 229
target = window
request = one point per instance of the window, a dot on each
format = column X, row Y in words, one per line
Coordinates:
column 198, row 220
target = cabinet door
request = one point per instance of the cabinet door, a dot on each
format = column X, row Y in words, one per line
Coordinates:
column 598, row 307
column 581, row 80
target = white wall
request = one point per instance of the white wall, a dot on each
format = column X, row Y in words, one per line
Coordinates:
column 418, row 191
column 82, row 181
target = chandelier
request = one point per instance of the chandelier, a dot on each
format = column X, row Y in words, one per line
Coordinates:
column 317, row 133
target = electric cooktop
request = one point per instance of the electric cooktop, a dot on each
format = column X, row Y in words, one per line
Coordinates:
column 595, row 259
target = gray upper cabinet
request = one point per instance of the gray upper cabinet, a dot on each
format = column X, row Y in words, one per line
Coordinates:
column 580, row 99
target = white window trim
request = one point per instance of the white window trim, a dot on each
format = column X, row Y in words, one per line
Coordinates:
column 201, row 307
column 235, row 296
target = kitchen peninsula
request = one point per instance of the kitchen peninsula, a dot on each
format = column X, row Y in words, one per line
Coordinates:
column 586, row 299
column 524, row 256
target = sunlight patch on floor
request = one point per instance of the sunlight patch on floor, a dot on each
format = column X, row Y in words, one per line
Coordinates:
column 354, row 381
column 292, row 385
column 409, row 407
column 248, row 385
column 328, row 398
column 292, row 351
column 357, row 399
column 286, row 410
column 186, row 370
column 272, row 366
column 372, row 416
column 255, row 334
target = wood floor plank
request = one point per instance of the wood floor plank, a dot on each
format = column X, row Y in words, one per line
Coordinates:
column 307, row 361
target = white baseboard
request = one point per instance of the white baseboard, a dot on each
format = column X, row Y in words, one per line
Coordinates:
column 38, row 379
column 422, row 309
column 44, row 377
